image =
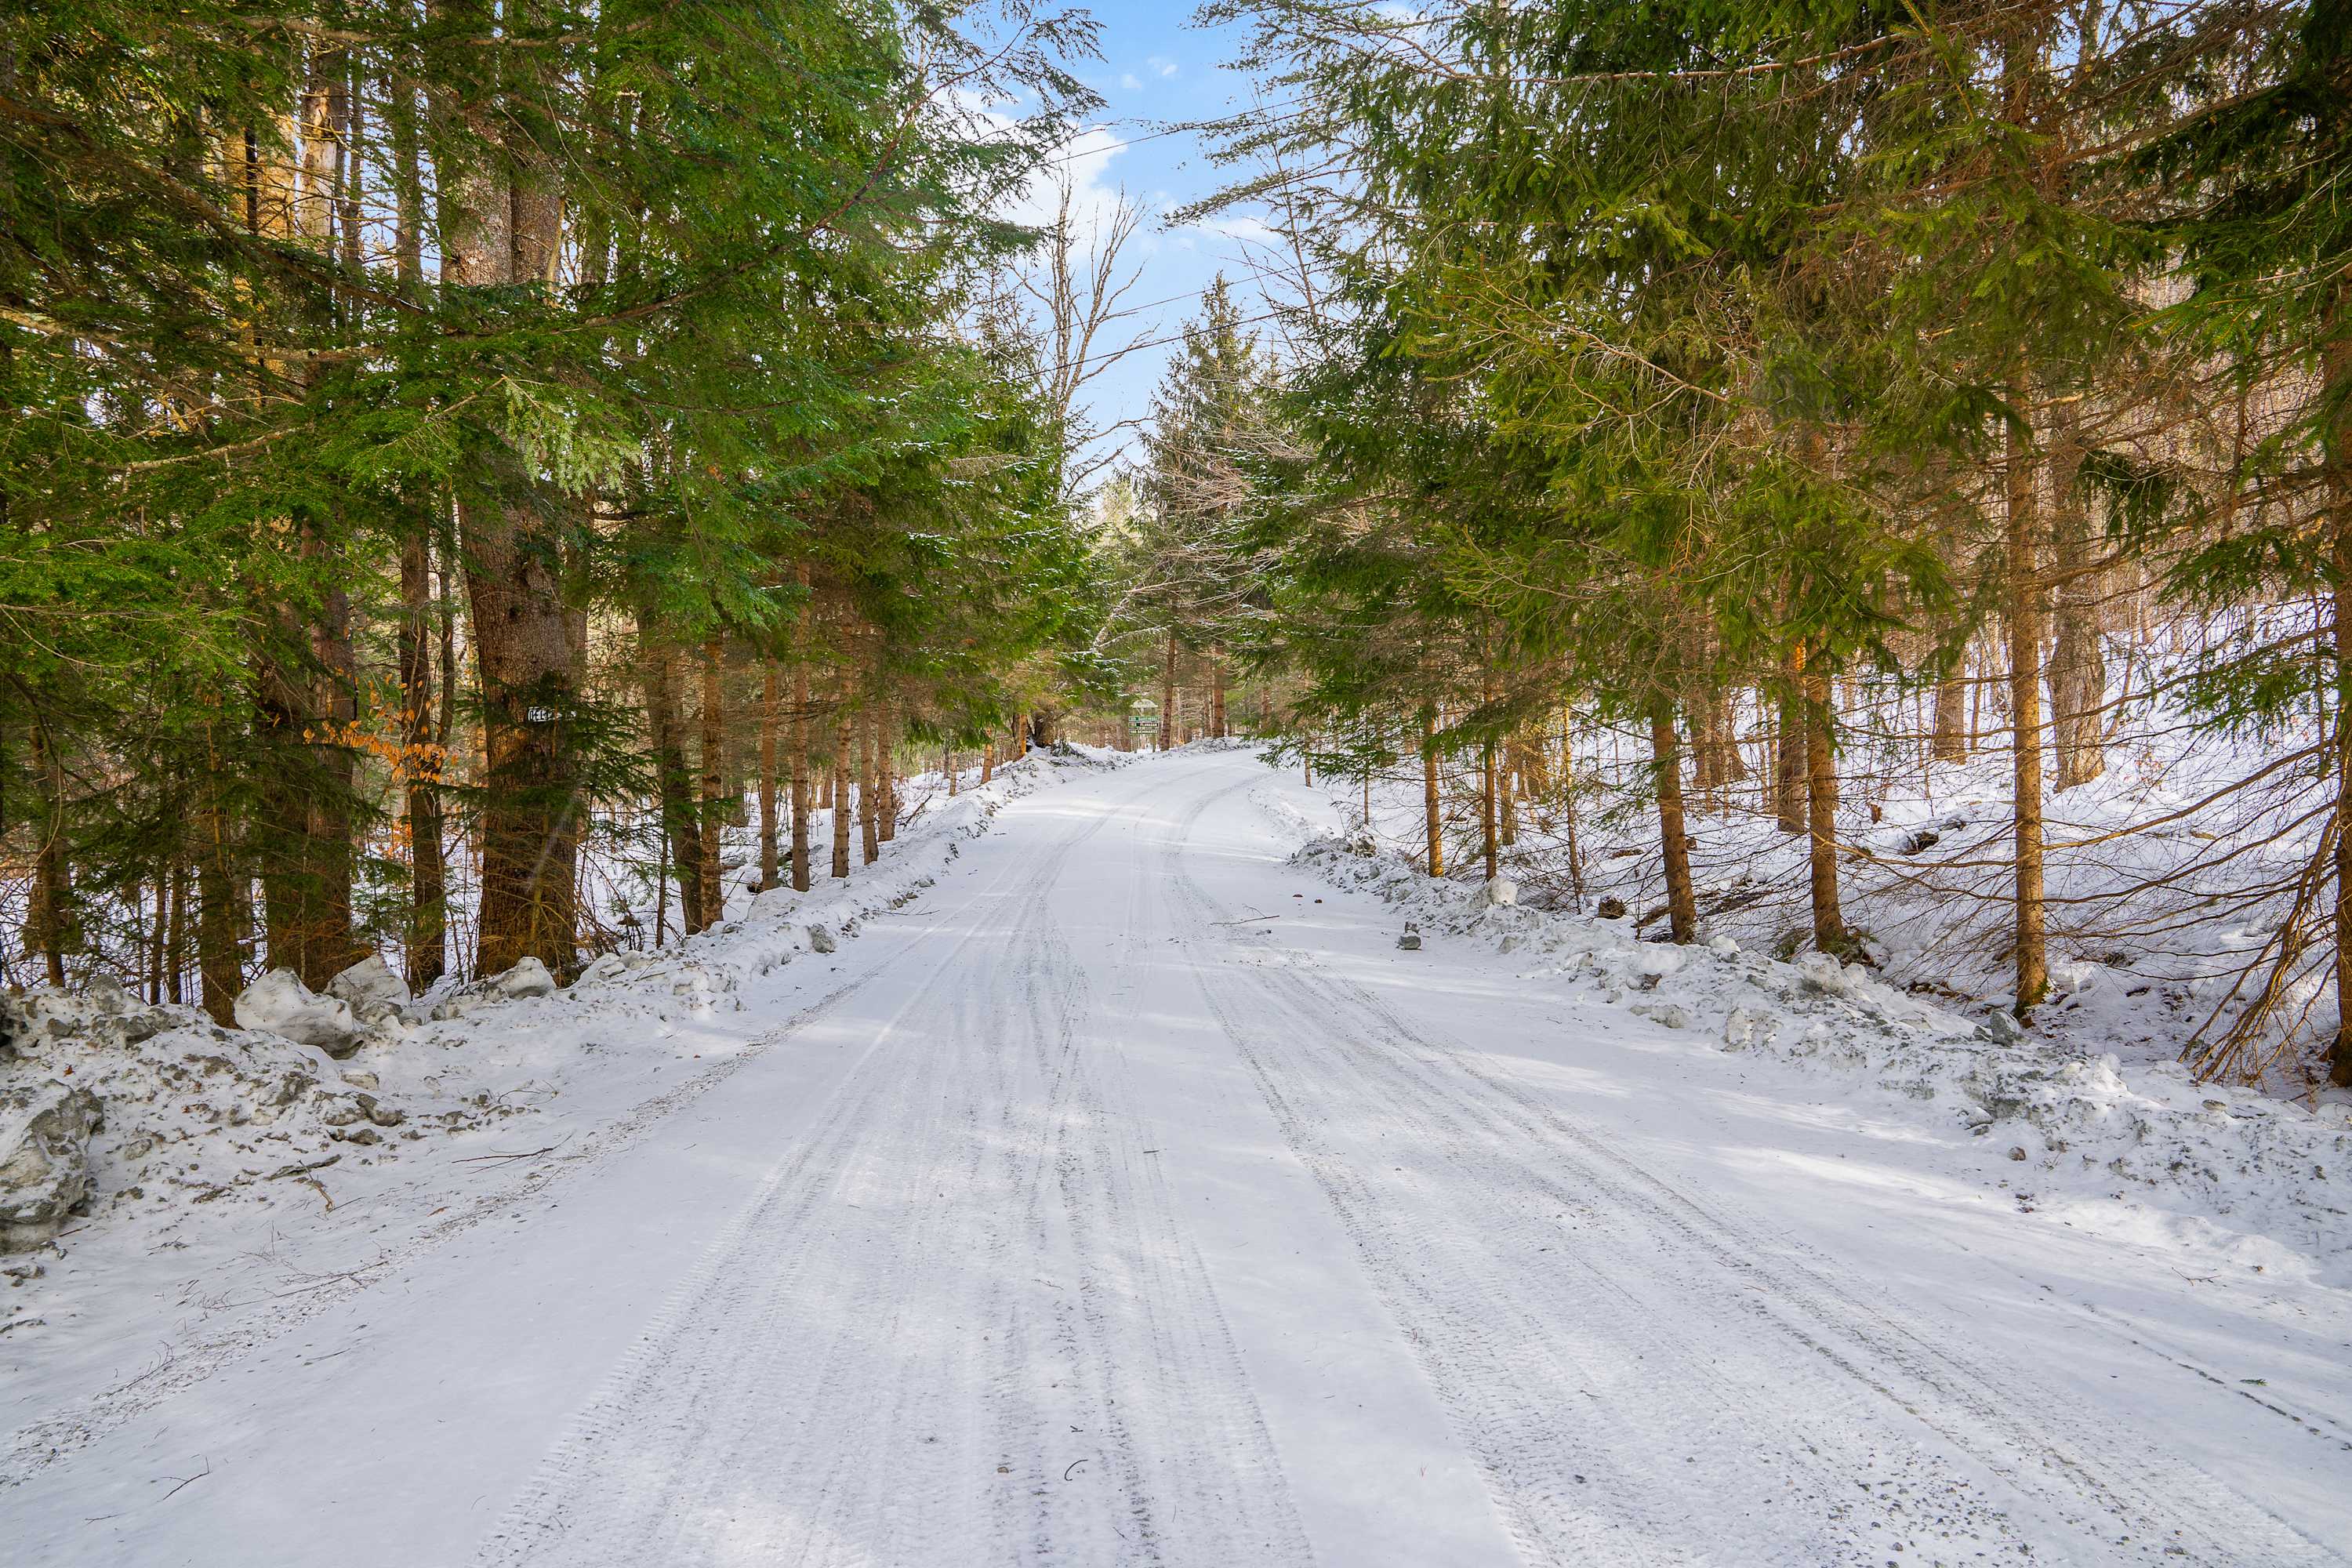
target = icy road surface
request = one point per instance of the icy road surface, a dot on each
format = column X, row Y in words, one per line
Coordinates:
column 1079, row 1217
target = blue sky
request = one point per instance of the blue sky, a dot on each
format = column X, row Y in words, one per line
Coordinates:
column 1158, row 68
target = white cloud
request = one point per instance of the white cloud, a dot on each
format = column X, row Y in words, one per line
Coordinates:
column 1085, row 161
column 1129, row 80
column 1162, row 65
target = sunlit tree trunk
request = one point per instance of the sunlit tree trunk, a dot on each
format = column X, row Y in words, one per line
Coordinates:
column 2023, row 613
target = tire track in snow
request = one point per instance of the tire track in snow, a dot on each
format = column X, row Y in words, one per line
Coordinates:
column 1629, row 1364
column 951, row 1303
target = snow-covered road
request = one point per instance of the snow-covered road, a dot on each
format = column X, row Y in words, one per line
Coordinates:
column 1079, row 1216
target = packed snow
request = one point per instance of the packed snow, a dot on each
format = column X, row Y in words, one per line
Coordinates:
column 1105, row 1178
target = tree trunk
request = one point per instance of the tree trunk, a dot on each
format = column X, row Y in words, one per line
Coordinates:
column 1723, row 721
column 2024, row 611
column 220, row 967
column 886, row 784
column 1433, row 815
column 52, row 882
column 1951, row 732
column 657, row 673
column 1489, row 832
column 502, row 226
column 1682, row 904
column 800, row 770
column 1217, row 693
column 1821, row 809
column 2337, row 375
column 988, row 762
column 175, row 944
column 714, row 785
column 1510, row 793
column 769, row 828
column 2078, row 671
column 869, row 837
column 1168, row 695
column 844, row 745
column 425, row 939
column 1789, row 772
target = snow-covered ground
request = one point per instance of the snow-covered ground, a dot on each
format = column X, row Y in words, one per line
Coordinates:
column 1127, row 1195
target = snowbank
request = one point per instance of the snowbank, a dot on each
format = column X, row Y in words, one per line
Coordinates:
column 2083, row 1127
column 219, row 1147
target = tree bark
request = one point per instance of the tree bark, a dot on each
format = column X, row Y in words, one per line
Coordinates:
column 1951, row 732
column 425, row 939
column 681, row 832
column 1682, row 903
column 1217, row 693
column 1168, row 695
column 2078, row 671
column 886, row 783
column 1490, row 833
column 769, row 698
column 843, row 744
column 52, row 882
column 2024, row 617
column 502, row 226
column 1789, row 770
column 2337, row 369
column 220, row 966
column 1821, row 808
column 867, row 835
column 1433, row 815
column 800, row 769
column 714, row 782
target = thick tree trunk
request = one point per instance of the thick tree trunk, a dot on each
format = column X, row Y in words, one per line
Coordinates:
column 657, row 672
column 502, row 226
column 1432, row 807
column 1674, row 838
column 845, row 745
column 714, row 784
column 769, row 698
column 988, row 762
column 427, row 937
column 2024, row 612
column 1821, row 808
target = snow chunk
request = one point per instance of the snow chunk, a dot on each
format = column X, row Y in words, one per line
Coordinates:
column 45, row 1128
column 528, row 978
column 279, row 1003
column 370, row 989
